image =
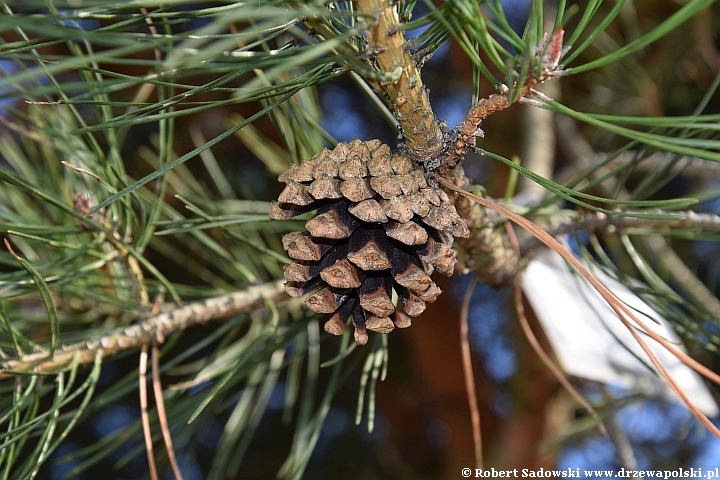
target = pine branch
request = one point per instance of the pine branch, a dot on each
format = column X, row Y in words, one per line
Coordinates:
column 667, row 260
column 154, row 329
column 704, row 222
column 406, row 96
column 546, row 58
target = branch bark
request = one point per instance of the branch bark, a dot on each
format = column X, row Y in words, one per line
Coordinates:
column 153, row 329
column 406, row 96
column 703, row 222
column 538, row 153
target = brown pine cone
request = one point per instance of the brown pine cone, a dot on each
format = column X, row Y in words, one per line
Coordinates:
column 487, row 251
column 379, row 229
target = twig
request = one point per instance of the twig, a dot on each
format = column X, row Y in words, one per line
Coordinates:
column 147, row 433
column 82, row 170
column 703, row 222
column 406, row 96
column 469, row 129
column 155, row 328
column 535, row 344
column 548, row 56
column 469, row 377
column 620, row 309
column 162, row 416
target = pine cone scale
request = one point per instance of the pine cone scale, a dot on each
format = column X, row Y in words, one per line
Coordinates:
column 375, row 296
column 332, row 224
column 380, row 324
column 357, row 189
column 296, row 194
column 369, row 211
column 325, row 188
column 379, row 230
column 322, row 301
column 413, row 305
column 409, row 233
column 368, row 250
column 342, row 275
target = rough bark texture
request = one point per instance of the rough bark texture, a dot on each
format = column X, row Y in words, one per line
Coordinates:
column 154, row 329
column 406, row 96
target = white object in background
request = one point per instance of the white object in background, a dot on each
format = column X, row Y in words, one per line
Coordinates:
column 591, row 342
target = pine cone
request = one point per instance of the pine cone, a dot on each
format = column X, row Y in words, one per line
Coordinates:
column 379, row 229
column 487, row 251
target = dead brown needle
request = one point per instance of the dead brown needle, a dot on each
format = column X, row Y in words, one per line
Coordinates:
column 162, row 416
column 468, row 370
column 147, row 433
column 535, row 344
column 620, row 309
column 81, row 170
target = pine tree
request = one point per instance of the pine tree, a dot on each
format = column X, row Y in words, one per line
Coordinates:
column 147, row 240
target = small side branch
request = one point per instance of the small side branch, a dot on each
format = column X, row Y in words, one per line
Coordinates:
column 548, row 55
column 153, row 329
column 469, row 129
column 680, row 276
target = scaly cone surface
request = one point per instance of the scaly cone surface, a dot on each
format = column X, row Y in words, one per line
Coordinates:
column 379, row 229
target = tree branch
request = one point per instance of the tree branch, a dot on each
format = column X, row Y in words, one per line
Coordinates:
column 548, row 55
column 666, row 259
column 406, row 96
column 469, row 129
column 539, row 151
column 155, row 328
column 704, row 222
